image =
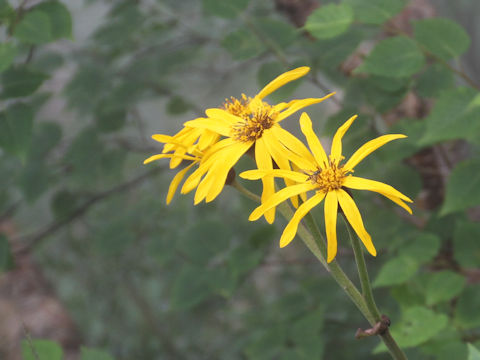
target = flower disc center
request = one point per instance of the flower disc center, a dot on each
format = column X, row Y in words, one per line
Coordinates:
column 330, row 178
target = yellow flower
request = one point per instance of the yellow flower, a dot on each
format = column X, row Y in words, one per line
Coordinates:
column 329, row 179
column 246, row 122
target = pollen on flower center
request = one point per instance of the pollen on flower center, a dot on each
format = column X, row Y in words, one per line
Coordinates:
column 253, row 126
column 330, row 178
column 238, row 107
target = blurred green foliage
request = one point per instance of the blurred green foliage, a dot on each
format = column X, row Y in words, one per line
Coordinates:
column 147, row 281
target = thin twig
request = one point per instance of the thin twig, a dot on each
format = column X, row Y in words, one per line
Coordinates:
column 30, row 241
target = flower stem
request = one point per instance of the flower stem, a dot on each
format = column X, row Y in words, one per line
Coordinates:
column 367, row 292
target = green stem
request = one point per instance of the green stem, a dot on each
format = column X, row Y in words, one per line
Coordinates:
column 318, row 248
column 367, row 293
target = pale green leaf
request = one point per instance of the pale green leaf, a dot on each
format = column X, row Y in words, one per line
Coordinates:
column 463, row 187
column 393, row 57
column 59, row 18
column 329, row 21
column 375, row 12
column 41, row 350
column 7, row 54
column 34, row 28
column 473, row 353
column 443, row 286
column 442, row 37
column 396, row 271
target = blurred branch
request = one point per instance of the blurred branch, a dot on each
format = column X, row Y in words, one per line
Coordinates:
column 9, row 211
column 30, row 241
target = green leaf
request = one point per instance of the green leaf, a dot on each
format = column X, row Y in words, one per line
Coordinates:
column 418, row 325
column 34, row 179
column 94, row 354
column 225, row 9
column 191, row 287
column 375, row 12
column 6, row 258
column 16, row 129
column 7, row 54
column 434, row 80
column 277, row 32
column 177, row 105
column 110, row 116
column 393, row 57
column 423, row 248
column 59, row 18
column 454, row 116
column 467, row 315
column 473, row 352
column 442, row 37
column 41, row 350
column 7, row 13
column 396, row 271
column 21, row 81
column 329, row 21
column 443, row 286
column 242, row 45
column 34, row 28
column 463, row 187
column 63, row 204
column 465, row 243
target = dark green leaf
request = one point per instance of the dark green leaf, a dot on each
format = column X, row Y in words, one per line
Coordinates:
column 110, row 116
column 93, row 354
column 453, row 117
column 466, row 311
column 463, row 187
column 329, row 21
column 59, row 18
column 177, row 105
column 7, row 13
column 16, row 129
column 242, row 45
column 7, row 54
column 21, row 81
column 396, row 271
column 443, row 286
column 41, row 350
column 34, row 28
column 63, row 204
column 47, row 135
column 279, row 33
column 225, row 9
column 34, row 179
column 442, row 37
column 465, row 243
column 434, row 80
column 393, row 57
column 6, row 258
column 375, row 12
column 190, row 288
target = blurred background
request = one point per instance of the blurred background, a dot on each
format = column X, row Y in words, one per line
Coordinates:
column 94, row 265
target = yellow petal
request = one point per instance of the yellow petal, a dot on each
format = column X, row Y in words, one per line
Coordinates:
column 163, row 156
column 264, row 162
column 193, row 180
column 369, row 147
column 207, row 139
column 359, row 183
column 291, row 228
column 283, row 79
column 176, row 181
column 398, row 202
column 313, row 142
column 288, row 174
column 355, row 219
column 336, row 151
column 216, row 125
column 221, row 114
column 279, row 197
column 296, row 105
column 331, row 209
column 306, row 160
column 220, row 172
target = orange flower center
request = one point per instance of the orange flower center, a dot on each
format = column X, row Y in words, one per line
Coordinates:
column 330, row 178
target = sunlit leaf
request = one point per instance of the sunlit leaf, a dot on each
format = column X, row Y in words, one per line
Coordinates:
column 375, row 12
column 329, row 21
column 41, row 350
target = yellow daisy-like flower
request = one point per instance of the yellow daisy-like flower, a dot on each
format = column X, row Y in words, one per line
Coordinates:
column 329, row 179
column 244, row 123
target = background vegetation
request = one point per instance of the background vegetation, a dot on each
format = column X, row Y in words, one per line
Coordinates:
column 94, row 263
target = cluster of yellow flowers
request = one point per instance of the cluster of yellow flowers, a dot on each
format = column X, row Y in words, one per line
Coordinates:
column 215, row 143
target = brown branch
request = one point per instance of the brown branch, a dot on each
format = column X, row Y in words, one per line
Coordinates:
column 33, row 240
